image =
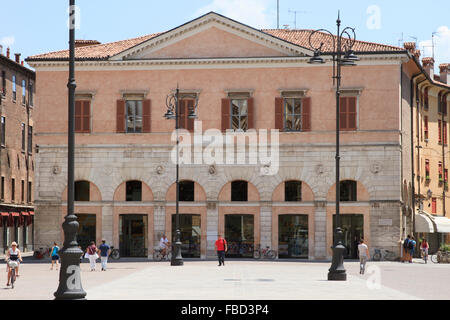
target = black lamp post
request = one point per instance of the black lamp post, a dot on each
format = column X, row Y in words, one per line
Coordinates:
column 173, row 112
column 69, row 275
column 344, row 44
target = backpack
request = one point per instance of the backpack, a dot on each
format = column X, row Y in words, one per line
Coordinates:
column 406, row 244
column 410, row 245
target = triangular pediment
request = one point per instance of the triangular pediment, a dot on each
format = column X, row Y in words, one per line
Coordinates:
column 212, row 36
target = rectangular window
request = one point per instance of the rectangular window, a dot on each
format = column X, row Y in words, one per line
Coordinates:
column 440, row 171
column 30, row 93
column 24, row 91
column 3, row 82
column 239, row 114
column 82, row 116
column 30, row 192
column 425, row 124
column 22, row 198
column 427, row 169
column 446, row 178
column 439, row 131
column 293, row 114
column 30, row 139
column 293, row 191
column 433, row 205
column 347, row 189
column 347, row 113
column 186, row 191
column 444, row 131
column 133, row 116
column 186, row 105
column 82, row 191
column 133, row 191
column 23, row 137
column 3, row 133
column 13, row 189
column 239, row 191
column 3, row 189
column 425, row 99
column 14, row 87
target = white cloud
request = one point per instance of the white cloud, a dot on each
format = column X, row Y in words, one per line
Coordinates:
column 441, row 47
column 251, row 12
column 7, row 41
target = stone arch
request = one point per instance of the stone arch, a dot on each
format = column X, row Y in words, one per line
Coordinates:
column 94, row 191
column 120, row 192
column 279, row 196
column 225, row 191
column 199, row 191
column 362, row 194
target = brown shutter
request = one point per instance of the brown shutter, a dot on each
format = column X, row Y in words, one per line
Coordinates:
column 78, row 112
column 351, row 111
column 306, row 114
column 190, row 122
column 120, row 116
column 146, row 116
column 279, row 114
column 250, row 113
column 182, row 110
column 226, row 114
column 343, row 113
column 86, row 116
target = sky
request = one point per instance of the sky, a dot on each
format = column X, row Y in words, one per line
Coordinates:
column 32, row 27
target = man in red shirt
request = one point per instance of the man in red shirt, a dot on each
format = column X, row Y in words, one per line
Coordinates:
column 221, row 248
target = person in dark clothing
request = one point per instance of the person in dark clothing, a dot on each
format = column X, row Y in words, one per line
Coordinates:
column 221, row 248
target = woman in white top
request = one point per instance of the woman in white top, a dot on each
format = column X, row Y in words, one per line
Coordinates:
column 13, row 254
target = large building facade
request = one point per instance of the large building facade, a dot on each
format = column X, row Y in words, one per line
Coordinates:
column 244, row 79
column 16, row 153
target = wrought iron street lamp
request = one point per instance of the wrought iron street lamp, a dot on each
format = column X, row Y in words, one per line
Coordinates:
column 173, row 112
column 342, row 46
column 69, row 275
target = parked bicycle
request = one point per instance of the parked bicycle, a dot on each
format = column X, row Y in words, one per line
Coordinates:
column 114, row 254
column 159, row 256
column 265, row 253
column 384, row 254
column 440, row 257
column 41, row 253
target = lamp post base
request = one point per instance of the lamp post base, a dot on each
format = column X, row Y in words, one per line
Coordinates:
column 177, row 259
column 337, row 271
column 337, row 276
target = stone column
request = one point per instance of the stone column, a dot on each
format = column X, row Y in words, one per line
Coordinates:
column 107, row 223
column 159, row 223
column 212, row 228
column 320, row 231
column 266, row 225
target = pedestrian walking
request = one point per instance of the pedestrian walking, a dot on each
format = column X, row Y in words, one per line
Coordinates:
column 406, row 249
column 412, row 248
column 104, row 253
column 92, row 255
column 424, row 246
column 221, row 248
column 55, row 255
column 363, row 252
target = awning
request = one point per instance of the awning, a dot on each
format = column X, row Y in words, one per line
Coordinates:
column 31, row 213
column 442, row 224
column 15, row 214
column 424, row 223
column 4, row 214
column 24, row 213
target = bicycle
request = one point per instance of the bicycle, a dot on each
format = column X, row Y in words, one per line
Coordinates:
column 114, row 254
column 388, row 255
column 266, row 253
column 12, row 266
column 158, row 254
column 440, row 256
column 41, row 253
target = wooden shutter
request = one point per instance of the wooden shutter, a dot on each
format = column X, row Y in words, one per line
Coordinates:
column 425, row 120
column 86, row 116
column 190, row 122
column 146, row 116
column 226, row 114
column 182, row 110
column 78, row 116
column 343, row 113
column 250, row 113
column 433, row 205
column 306, row 114
column 279, row 114
column 444, row 129
column 351, row 113
column 439, row 131
column 120, row 116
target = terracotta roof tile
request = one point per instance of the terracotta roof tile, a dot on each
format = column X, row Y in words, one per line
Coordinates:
column 297, row 37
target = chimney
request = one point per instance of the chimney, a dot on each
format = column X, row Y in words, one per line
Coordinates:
column 7, row 52
column 410, row 46
column 444, row 69
column 428, row 65
column 17, row 57
column 417, row 54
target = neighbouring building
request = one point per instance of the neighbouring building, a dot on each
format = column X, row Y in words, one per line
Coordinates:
column 430, row 100
column 243, row 78
column 16, row 153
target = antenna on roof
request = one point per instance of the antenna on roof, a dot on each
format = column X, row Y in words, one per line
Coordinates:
column 278, row 14
column 286, row 26
column 414, row 38
column 400, row 41
column 295, row 16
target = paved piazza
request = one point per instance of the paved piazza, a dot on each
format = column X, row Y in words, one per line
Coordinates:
column 238, row 280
